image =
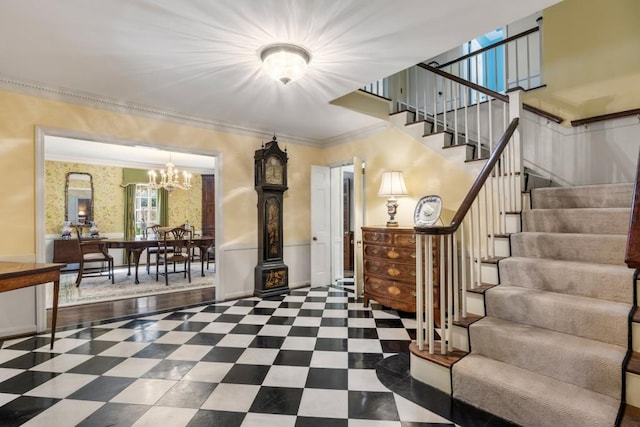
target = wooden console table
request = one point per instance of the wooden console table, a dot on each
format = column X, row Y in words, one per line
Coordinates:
column 18, row 275
column 66, row 251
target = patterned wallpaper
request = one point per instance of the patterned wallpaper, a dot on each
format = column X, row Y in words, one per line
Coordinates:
column 109, row 198
column 187, row 205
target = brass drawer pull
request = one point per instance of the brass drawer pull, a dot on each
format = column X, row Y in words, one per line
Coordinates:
column 394, row 272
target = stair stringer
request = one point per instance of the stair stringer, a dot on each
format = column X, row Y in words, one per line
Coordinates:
column 438, row 142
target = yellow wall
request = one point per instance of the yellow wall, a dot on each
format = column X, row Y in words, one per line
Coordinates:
column 591, row 58
column 425, row 173
column 21, row 114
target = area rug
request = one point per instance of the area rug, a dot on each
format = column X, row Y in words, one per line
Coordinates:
column 96, row 289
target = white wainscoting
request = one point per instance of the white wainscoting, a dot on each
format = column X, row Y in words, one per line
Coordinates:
column 18, row 313
column 601, row 153
column 237, row 275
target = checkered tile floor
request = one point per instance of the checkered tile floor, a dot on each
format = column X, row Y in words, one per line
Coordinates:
column 304, row 359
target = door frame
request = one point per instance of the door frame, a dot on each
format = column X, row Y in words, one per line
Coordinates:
column 336, row 216
column 42, row 132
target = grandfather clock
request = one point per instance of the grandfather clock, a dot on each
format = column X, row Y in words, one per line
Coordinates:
column 271, row 274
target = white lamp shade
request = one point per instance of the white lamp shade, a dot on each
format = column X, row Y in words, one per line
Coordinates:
column 392, row 185
column 285, row 62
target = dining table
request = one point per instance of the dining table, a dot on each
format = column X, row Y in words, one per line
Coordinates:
column 135, row 246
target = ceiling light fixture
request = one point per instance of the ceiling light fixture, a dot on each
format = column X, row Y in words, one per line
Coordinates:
column 285, row 62
column 170, row 178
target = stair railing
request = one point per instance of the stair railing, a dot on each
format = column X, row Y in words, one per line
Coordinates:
column 519, row 56
column 469, row 113
column 471, row 231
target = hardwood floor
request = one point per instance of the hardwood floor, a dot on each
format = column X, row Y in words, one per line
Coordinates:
column 85, row 313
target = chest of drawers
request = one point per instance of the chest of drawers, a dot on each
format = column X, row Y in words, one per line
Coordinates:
column 389, row 256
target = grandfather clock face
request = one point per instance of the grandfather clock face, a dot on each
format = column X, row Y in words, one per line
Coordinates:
column 274, row 173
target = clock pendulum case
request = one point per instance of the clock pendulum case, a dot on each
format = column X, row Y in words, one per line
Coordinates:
column 270, row 168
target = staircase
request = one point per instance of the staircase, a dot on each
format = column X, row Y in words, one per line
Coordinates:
column 537, row 326
column 551, row 348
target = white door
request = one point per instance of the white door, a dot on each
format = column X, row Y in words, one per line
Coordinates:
column 320, row 226
column 337, row 227
column 358, row 222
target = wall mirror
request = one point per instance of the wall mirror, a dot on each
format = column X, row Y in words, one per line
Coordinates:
column 78, row 191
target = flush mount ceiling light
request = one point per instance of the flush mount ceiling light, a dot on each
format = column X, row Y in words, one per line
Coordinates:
column 285, row 62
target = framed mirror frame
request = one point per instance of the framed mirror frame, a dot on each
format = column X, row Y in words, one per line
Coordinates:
column 75, row 219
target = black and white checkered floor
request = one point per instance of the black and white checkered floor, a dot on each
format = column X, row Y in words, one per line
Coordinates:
column 313, row 357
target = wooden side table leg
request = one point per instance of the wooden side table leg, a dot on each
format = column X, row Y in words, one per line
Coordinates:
column 54, row 317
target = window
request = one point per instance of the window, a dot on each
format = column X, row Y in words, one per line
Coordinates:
column 487, row 68
column 147, row 207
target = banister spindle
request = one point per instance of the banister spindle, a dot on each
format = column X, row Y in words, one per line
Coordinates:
column 420, row 302
column 430, row 311
column 443, row 302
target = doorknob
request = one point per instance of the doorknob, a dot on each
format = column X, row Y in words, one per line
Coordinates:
column 359, row 242
column 315, row 239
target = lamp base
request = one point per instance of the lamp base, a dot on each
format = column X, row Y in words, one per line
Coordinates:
column 392, row 206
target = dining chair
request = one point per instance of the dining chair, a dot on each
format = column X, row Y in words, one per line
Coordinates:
column 153, row 250
column 93, row 250
column 211, row 255
column 174, row 248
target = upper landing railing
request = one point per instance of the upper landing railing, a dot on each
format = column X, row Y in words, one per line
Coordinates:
column 507, row 64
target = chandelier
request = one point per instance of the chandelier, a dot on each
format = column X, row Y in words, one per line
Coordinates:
column 285, row 62
column 169, row 178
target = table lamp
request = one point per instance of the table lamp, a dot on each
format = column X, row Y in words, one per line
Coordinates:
column 392, row 186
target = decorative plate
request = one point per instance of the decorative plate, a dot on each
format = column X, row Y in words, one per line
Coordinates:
column 427, row 211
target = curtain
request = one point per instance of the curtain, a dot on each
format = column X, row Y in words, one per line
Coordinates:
column 131, row 177
column 163, row 199
column 130, row 211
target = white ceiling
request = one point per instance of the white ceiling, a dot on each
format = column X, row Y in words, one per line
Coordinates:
column 199, row 58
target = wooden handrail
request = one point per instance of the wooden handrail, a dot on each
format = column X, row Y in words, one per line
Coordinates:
column 632, row 254
column 464, row 82
column 489, row 92
column 545, row 114
column 475, row 188
column 491, row 46
column 634, row 112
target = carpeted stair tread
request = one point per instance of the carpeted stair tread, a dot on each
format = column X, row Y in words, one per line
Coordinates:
column 602, row 281
column 587, row 196
column 594, row 248
column 583, row 220
column 527, row 398
column 590, row 318
column 551, row 353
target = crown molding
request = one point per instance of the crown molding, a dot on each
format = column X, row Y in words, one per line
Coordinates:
column 85, row 99
column 361, row 133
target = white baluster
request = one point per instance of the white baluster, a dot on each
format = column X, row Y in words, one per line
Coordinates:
column 419, row 292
